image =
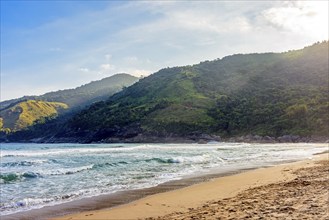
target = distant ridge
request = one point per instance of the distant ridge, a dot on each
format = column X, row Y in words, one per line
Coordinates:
column 69, row 100
column 82, row 95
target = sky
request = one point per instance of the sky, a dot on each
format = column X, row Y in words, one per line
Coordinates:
column 52, row 45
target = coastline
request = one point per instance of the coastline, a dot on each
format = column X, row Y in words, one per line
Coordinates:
column 197, row 195
column 169, row 139
column 170, row 197
column 120, row 198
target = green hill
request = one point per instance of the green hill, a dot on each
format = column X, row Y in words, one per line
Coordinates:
column 26, row 113
column 265, row 94
column 73, row 99
column 269, row 94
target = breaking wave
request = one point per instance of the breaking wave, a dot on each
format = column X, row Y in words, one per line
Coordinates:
column 14, row 177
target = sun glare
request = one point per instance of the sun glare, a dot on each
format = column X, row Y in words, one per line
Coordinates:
column 317, row 14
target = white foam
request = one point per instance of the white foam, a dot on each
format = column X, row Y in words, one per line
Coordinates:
column 140, row 169
column 67, row 171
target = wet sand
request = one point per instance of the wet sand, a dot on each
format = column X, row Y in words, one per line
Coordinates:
column 297, row 190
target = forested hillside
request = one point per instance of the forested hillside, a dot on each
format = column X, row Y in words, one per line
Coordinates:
column 269, row 94
column 265, row 94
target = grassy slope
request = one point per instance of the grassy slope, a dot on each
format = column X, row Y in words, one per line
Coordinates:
column 26, row 113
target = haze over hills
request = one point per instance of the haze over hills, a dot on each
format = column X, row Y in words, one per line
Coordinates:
column 20, row 113
column 270, row 94
column 82, row 95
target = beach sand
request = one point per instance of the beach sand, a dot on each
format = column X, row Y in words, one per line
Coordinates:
column 296, row 190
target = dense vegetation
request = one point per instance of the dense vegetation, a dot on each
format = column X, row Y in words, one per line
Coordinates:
column 265, row 94
column 18, row 114
column 262, row 94
column 27, row 113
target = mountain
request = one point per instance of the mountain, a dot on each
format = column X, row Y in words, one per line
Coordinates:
column 83, row 95
column 27, row 113
column 20, row 113
column 268, row 94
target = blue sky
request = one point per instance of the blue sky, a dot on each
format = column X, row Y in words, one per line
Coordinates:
column 52, row 45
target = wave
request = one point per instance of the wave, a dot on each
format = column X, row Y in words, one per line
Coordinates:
column 14, row 177
column 173, row 160
column 93, row 150
column 118, row 146
column 23, row 163
column 17, row 176
column 56, row 152
column 69, row 171
column 114, row 164
column 30, row 203
column 180, row 159
column 25, row 204
column 160, row 160
column 66, row 151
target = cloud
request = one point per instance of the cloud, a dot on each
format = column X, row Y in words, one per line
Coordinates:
column 302, row 17
column 178, row 19
column 203, row 21
column 105, row 66
column 84, row 70
column 142, row 37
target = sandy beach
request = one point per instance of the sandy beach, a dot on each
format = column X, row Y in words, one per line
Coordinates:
column 296, row 190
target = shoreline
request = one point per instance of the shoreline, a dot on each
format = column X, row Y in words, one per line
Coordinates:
column 120, row 202
column 191, row 197
column 153, row 139
column 113, row 200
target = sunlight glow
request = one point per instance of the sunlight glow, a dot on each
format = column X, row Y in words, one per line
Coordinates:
column 306, row 17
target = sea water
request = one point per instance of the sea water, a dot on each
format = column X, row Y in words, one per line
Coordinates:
column 36, row 175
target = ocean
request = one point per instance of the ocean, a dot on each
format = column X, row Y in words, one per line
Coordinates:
column 37, row 175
